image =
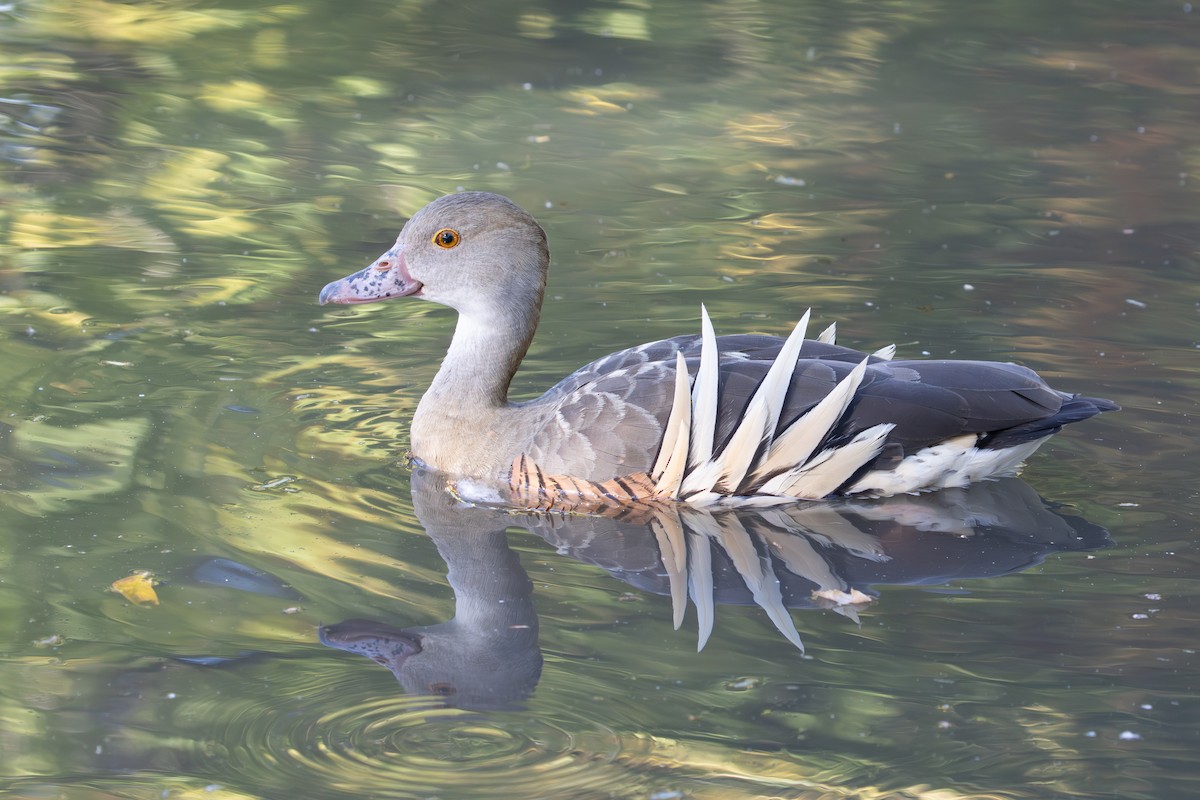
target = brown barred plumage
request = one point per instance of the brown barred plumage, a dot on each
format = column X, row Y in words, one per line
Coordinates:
column 535, row 490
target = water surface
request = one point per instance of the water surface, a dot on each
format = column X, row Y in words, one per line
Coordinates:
column 1015, row 182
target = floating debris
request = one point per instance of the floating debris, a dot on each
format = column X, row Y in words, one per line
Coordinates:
column 851, row 598
column 786, row 180
column 137, row 588
column 275, row 484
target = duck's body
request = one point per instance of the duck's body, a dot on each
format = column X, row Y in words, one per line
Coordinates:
column 756, row 418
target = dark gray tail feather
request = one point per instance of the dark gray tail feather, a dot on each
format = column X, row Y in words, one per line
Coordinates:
column 1074, row 409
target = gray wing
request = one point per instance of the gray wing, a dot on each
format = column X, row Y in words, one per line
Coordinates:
column 607, row 425
column 607, row 419
column 737, row 347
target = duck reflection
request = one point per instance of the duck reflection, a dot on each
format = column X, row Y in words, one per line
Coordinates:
column 815, row 555
column 486, row 656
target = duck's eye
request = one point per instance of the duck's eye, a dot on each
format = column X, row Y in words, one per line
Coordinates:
column 447, row 238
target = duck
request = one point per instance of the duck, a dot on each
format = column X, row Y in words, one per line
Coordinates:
column 742, row 419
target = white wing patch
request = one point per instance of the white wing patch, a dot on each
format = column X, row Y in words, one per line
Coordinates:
column 952, row 463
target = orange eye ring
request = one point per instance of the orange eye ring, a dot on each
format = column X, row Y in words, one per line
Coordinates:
column 447, row 238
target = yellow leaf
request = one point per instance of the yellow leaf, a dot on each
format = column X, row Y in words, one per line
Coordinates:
column 137, row 588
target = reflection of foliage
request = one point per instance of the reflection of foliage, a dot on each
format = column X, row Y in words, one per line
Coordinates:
column 140, row 23
column 214, row 158
column 47, row 468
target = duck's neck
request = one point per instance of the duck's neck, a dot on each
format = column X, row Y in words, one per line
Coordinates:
column 463, row 424
column 484, row 354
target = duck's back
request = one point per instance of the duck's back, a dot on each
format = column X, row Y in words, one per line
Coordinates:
column 608, row 419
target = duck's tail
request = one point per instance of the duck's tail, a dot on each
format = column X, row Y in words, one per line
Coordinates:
column 755, row 465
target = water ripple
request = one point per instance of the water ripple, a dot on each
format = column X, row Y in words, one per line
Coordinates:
column 404, row 746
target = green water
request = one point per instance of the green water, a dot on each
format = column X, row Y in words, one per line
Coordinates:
column 1010, row 180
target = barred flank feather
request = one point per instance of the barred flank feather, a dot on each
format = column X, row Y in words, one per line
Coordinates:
column 536, row 490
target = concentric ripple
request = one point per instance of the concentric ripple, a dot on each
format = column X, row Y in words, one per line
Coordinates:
column 410, row 746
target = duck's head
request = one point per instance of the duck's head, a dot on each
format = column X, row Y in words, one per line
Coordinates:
column 474, row 252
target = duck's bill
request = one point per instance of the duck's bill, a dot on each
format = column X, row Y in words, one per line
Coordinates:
column 388, row 277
